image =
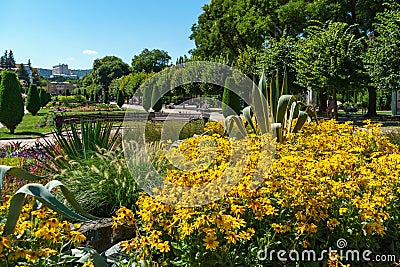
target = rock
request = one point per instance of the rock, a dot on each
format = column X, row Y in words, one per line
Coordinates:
column 99, row 234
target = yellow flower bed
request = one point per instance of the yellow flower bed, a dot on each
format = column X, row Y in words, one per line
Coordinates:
column 38, row 235
column 328, row 182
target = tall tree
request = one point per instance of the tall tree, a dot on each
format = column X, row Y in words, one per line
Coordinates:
column 150, row 61
column 108, row 68
column 33, row 102
column 11, row 102
column 120, row 98
column 383, row 57
column 3, row 60
column 228, row 26
column 10, row 61
column 156, row 99
column 328, row 59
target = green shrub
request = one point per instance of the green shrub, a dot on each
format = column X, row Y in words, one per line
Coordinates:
column 11, row 102
column 106, row 99
column 77, row 99
column 120, row 98
column 230, row 99
column 33, row 100
column 101, row 183
column 146, row 99
column 156, row 99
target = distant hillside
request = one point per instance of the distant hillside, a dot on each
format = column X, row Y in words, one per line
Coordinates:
column 80, row 73
column 44, row 72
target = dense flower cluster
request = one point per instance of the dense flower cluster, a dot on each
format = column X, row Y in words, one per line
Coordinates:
column 38, row 235
column 328, row 182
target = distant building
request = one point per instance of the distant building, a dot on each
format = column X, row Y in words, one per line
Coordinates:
column 62, row 70
column 59, row 88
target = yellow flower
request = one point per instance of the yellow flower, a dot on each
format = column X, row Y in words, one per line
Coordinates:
column 76, row 237
column 89, row 263
column 163, row 247
column 332, row 223
column 210, row 242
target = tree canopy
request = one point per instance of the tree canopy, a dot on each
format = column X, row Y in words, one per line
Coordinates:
column 108, row 68
column 383, row 57
column 150, row 61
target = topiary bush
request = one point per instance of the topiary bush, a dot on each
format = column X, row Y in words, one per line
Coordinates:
column 146, row 99
column 230, row 99
column 33, row 103
column 156, row 100
column 11, row 102
column 120, row 98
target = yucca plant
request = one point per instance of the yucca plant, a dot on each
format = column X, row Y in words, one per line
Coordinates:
column 273, row 110
column 72, row 144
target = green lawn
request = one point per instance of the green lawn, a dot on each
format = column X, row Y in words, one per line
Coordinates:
column 27, row 129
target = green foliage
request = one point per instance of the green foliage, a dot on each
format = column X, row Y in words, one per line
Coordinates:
column 230, row 99
column 226, row 27
column 382, row 58
column 107, row 69
column 42, row 194
column 273, row 111
column 150, row 61
column 11, row 102
column 106, row 99
column 329, row 57
column 101, row 182
column 156, row 99
column 74, row 145
column 146, row 98
column 33, row 102
column 120, row 98
column 68, row 100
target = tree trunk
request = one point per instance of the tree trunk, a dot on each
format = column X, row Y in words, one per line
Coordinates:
column 371, row 102
column 322, row 103
column 335, row 109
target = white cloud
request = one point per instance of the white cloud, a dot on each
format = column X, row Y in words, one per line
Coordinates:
column 89, row 52
column 71, row 58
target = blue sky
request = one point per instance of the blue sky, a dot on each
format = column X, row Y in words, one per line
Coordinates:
column 74, row 32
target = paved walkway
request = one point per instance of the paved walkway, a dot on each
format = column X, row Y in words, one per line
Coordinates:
column 216, row 114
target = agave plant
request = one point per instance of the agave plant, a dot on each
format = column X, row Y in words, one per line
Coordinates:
column 272, row 110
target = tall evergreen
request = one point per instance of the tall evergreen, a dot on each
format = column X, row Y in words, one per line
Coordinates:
column 43, row 97
column 11, row 102
column 10, row 61
column 120, row 98
column 3, row 60
column 146, row 98
column 106, row 99
column 156, row 100
column 33, row 100
column 230, row 99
